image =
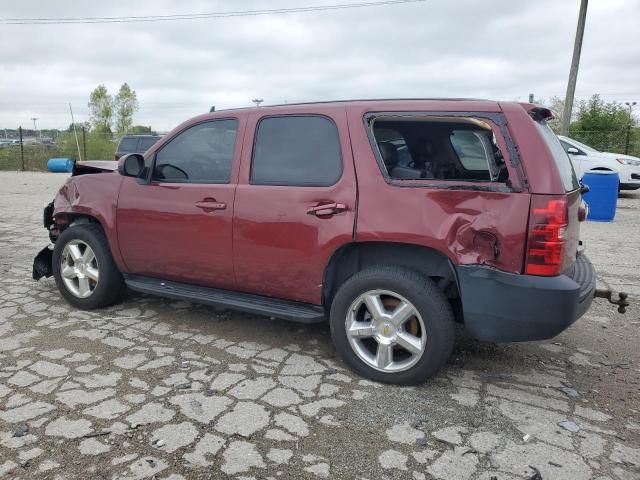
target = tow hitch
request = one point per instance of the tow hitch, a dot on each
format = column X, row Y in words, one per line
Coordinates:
column 608, row 294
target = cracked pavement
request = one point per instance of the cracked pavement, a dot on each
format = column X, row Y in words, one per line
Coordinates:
column 154, row 388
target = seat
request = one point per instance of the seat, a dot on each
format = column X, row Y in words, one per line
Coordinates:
column 390, row 157
column 389, row 154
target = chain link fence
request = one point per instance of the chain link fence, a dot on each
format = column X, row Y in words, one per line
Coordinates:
column 33, row 152
column 625, row 141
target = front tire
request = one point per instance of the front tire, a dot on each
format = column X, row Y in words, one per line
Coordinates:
column 392, row 325
column 83, row 268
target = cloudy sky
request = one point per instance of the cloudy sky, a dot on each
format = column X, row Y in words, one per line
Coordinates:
column 499, row 49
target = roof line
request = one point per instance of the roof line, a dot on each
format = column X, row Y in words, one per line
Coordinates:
column 322, row 102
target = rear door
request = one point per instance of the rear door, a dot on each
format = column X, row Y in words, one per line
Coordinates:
column 295, row 202
column 179, row 226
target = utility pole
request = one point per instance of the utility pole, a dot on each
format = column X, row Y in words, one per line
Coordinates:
column 35, row 130
column 257, row 101
column 84, row 141
column 21, row 149
column 573, row 73
column 630, row 106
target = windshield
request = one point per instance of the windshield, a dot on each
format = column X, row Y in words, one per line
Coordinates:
column 581, row 145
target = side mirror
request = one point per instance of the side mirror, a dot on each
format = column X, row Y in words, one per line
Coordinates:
column 573, row 151
column 131, row 165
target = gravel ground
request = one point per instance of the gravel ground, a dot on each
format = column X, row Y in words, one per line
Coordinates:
column 165, row 389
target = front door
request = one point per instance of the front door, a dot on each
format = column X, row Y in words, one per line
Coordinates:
column 295, row 202
column 178, row 226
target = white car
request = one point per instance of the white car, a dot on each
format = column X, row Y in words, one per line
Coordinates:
column 585, row 158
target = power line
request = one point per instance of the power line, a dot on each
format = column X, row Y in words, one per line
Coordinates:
column 198, row 16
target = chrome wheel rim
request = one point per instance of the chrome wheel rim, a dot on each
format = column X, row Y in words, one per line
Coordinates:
column 79, row 269
column 386, row 331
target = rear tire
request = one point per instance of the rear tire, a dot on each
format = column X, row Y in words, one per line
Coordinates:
column 84, row 270
column 408, row 337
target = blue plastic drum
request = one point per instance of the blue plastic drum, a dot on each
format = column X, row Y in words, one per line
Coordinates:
column 602, row 196
column 60, row 165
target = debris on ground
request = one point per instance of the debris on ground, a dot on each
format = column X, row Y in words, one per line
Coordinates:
column 570, row 426
column 536, row 474
column 21, row 431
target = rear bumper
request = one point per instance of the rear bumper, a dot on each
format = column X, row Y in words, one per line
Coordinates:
column 506, row 307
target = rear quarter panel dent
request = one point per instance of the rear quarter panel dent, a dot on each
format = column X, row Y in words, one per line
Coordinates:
column 458, row 223
column 455, row 221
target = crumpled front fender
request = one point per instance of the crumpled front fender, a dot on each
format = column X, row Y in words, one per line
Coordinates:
column 91, row 196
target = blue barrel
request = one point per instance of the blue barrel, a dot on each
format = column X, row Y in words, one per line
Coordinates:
column 602, row 196
column 60, row 165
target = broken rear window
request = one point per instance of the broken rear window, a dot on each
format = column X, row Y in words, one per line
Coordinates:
column 445, row 148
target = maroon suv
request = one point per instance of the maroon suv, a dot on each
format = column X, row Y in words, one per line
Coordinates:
column 394, row 219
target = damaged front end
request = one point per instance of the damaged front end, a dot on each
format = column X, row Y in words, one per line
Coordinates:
column 88, row 194
column 42, row 263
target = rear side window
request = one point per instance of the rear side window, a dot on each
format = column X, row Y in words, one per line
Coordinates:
column 438, row 148
column 560, row 157
column 128, row 144
column 296, row 150
column 146, row 143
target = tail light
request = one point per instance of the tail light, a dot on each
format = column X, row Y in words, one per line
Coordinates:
column 547, row 234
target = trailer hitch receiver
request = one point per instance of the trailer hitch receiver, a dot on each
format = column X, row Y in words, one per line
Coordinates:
column 608, row 294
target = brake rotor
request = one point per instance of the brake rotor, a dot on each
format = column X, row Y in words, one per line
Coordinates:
column 413, row 327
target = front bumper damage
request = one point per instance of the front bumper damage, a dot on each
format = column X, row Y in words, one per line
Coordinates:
column 42, row 263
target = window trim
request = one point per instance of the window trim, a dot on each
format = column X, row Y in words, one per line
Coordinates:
column 498, row 120
column 282, row 184
column 197, row 182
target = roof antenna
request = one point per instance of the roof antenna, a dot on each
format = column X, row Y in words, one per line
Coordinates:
column 73, row 122
column 213, row 108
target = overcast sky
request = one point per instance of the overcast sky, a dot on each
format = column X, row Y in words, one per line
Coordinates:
column 498, row 49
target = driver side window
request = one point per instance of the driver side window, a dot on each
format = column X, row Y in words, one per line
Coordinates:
column 201, row 154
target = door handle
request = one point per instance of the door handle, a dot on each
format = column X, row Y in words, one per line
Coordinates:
column 326, row 209
column 210, row 205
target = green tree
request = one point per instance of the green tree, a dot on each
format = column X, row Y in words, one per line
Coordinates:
column 125, row 104
column 602, row 125
column 597, row 115
column 140, row 130
column 101, row 109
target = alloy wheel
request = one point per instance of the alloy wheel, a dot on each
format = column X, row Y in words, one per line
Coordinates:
column 79, row 268
column 386, row 331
